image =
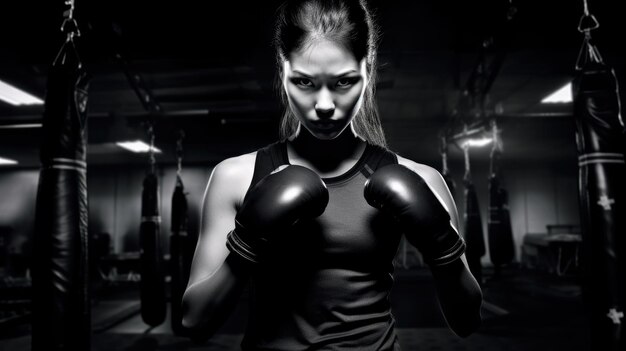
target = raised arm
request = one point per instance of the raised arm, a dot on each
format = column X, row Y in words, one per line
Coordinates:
column 418, row 196
column 217, row 279
column 237, row 238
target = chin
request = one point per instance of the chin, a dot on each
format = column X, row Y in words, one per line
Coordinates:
column 326, row 135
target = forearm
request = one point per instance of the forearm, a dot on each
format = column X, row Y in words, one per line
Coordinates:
column 208, row 303
column 459, row 295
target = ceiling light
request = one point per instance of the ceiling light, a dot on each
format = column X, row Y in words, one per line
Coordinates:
column 477, row 142
column 15, row 96
column 136, row 146
column 21, row 126
column 562, row 95
column 6, row 161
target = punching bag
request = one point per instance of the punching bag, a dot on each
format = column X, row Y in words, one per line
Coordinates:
column 500, row 236
column 180, row 264
column 505, row 227
column 60, row 300
column 602, row 176
column 473, row 231
column 152, row 284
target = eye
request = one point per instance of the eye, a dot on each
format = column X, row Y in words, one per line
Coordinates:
column 302, row 82
column 347, row 82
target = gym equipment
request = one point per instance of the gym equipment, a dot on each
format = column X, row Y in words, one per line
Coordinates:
column 60, row 301
column 276, row 202
column 152, row 283
column 424, row 221
column 500, row 235
column 179, row 241
column 602, row 192
column 473, row 225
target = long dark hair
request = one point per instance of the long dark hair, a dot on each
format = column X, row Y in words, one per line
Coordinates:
column 346, row 22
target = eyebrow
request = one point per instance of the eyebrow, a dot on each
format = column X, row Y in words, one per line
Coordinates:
column 336, row 76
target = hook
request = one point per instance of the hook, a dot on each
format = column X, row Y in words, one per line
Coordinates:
column 588, row 21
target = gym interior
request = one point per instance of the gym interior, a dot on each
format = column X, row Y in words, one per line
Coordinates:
column 490, row 93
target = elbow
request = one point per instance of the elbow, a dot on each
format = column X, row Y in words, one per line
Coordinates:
column 468, row 327
column 192, row 326
column 460, row 296
column 189, row 323
column 464, row 332
column 469, row 320
column 190, row 320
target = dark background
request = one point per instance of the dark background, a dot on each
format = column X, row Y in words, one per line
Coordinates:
column 210, row 66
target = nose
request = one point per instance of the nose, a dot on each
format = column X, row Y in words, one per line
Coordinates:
column 324, row 106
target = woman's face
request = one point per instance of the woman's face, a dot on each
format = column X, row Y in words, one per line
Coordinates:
column 325, row 86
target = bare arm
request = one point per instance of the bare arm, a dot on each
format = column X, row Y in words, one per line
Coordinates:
column 216, row 279
column 459, row 294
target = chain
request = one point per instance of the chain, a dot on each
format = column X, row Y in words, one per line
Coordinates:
column 179, row 151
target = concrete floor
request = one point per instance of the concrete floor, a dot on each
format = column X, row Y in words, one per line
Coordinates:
column 523, row 310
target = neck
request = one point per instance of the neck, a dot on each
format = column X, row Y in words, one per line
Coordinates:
column 326, row 152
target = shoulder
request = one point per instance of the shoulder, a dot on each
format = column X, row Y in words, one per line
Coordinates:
column 236, row 166
column 428, row 173
column 232, row 176
column 431, row 176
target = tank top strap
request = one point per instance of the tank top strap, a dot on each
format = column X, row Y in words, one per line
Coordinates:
column 379, row 157
column 267, row 159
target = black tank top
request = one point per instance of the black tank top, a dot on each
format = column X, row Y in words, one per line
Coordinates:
column 327, row 282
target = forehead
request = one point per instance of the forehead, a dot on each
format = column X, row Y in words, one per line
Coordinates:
column 323, row 57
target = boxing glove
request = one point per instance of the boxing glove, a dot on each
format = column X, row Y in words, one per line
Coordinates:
column 275, row 203
column 402, row 193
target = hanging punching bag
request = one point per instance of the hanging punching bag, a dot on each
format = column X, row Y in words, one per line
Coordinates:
column 506, row 228
column 152, row 284
column 60, row 300
column 473, row 231
column 602, row 175
column 180, row 264
column 501, row 247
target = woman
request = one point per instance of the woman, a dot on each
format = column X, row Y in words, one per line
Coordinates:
column 313, row 221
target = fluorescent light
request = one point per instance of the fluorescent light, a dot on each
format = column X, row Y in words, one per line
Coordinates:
column 562, row 95
column 477, row 142
column 15, row 96
column 136, row 146
column 6, row 161
column 21, row 126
